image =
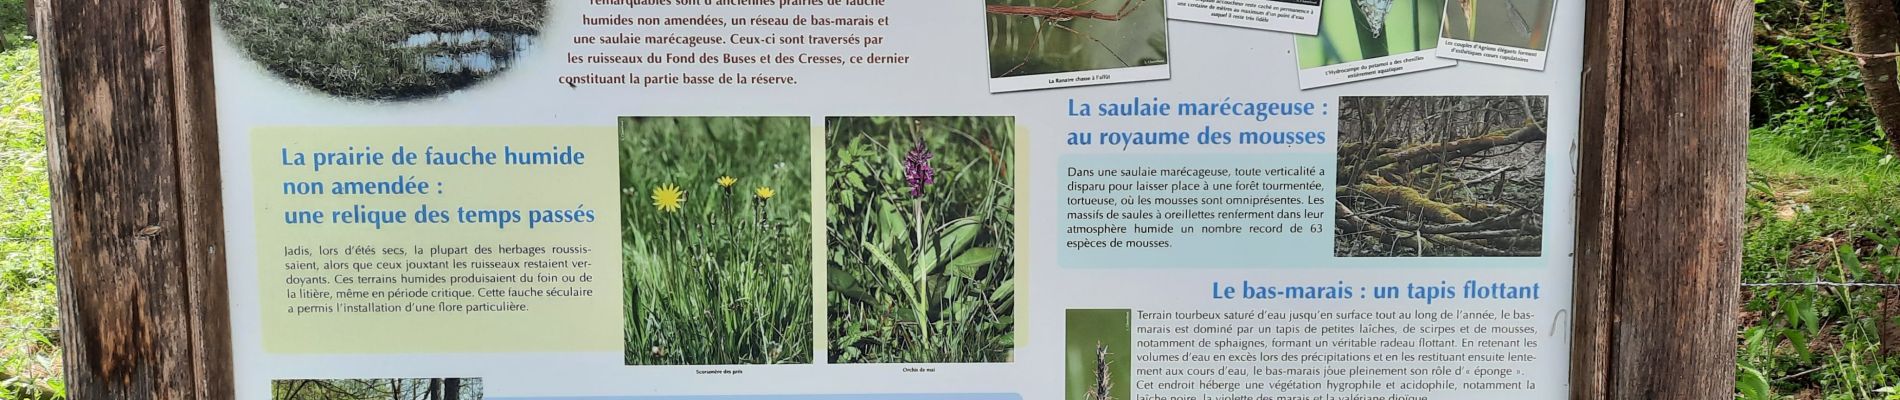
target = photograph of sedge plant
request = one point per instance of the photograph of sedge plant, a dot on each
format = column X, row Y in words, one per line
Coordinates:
column 921, row 219
column 717, row 240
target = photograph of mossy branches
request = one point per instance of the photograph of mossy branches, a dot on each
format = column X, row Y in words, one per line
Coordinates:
column 717, row 240
column 377, row 389
column 1440, row 177
column 1357, row 30
column 1035, row 37
column 921, row 218
column 382, row 50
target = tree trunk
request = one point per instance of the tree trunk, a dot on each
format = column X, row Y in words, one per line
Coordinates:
column 1874, row 27
column 452, row 389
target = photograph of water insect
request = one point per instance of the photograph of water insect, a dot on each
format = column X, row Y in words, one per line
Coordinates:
column 1440, row 177
column 1523, row 24
column 717, row 240
column 1035, row 37
column 921, row 218
column 1356, row 30
column 382, row 50
column 1098, row 354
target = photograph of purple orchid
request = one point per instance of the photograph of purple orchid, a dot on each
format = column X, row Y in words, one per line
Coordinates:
column 921, row 232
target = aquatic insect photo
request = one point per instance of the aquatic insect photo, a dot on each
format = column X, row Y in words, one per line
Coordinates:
column 382, row 50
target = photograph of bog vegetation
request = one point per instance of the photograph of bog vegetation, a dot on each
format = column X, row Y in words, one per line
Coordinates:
column 377, row 389
column 382, row 50
column 1357, row 30
column 717, row 240
column 1440, row 177
column 921, row 213
column 1099, row 354
column 1523, row 24
column 1034, row 37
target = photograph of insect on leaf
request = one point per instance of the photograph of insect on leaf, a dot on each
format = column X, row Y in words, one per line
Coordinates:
column 1441, row 176
column 382, row 50
column 1357, row 30
column 1523, row 24
column 1098, row 354
column 921, row 219
column 1035, row 37
column 717, row 240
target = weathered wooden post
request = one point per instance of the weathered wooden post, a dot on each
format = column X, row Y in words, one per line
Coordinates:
column 134, row 172
column 1663, row 167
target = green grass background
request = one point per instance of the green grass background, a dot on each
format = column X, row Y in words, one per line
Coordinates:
column 1086, row 329
column 709, row 284
column 29, row 336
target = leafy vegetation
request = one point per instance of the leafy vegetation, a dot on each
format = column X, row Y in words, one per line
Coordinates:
column 29, row 339
column 1821, row 194
column 922, row 228
column 717, row 237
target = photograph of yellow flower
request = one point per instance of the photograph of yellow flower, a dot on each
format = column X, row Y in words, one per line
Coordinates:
column 921, row 218
column 715, row 273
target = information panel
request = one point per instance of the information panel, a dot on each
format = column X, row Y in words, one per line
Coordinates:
column 899, row 199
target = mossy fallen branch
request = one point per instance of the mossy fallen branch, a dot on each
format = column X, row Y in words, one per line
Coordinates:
column 1411, row 200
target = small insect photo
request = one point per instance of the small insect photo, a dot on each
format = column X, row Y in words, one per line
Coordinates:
column 1098, row 354
column 1523, row 24
column 1441, row 176
column 921, row 231
column 1036, row 37
column 382, row 50
column 717, row 240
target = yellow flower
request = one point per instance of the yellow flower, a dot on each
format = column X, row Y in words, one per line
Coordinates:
column 727, row 181
column 668, row 198
column 765, row 193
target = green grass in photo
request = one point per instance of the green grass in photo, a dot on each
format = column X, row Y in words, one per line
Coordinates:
column 1098, row 355
column 921, row 218
column 717, row 236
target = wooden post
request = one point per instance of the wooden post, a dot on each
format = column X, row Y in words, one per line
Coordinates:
column 136, row 199
column 1665, row 125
